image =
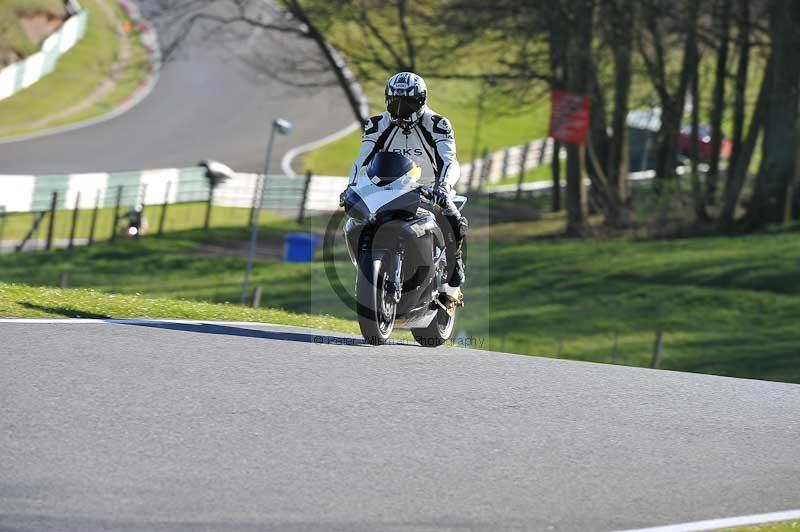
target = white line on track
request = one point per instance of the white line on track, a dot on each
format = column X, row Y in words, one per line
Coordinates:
column 728, row 522
column 286, row 162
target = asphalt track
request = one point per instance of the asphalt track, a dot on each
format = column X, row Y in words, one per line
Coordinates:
column 207, row 104
column 237, row 427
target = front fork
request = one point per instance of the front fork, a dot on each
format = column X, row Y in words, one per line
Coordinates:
column 395, row 285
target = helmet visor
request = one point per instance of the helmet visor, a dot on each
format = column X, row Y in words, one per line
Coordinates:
column 403, row 107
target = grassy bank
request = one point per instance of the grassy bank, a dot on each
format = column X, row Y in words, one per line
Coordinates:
column 78, row 73
column 725, row 305
column 37, row 302
column 789, row 526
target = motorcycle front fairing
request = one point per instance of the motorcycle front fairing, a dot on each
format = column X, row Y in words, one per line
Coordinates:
column 388, row 216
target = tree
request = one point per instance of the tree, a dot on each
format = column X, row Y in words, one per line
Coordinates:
column 662, row 29
column 779, row 147
column 579, row 67
column 723, row 15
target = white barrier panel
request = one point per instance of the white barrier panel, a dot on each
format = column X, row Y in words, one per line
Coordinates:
column 51, row 43
column 323, row 192
column 8, row 79
column 69, row 33
column 87, row 185
column 33, row 69
column 16, row 192
column 237, row 191
column 156, row 181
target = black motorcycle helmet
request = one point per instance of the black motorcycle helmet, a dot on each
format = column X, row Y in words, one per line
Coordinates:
column 406, row 95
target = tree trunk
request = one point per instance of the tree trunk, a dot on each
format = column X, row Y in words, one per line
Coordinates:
column 698, row 201
column 718, row 102
column 617, row 169
column 777, row 165
column 597, row 153
column 347, row 83
column 745, row 150
column 579, row 65
column 557, row 45
column 740, row 88
column 672, row 108
column 555, row 166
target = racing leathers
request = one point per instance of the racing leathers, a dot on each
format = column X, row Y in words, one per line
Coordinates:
column 430, row 143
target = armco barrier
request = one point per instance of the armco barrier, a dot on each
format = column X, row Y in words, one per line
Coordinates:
column 25, row 73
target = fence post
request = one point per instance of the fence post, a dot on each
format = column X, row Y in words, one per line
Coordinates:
column 52, row 222
column 302, row 214
column 3, row 215
column 256, row 297
column 256, row 195
column 74, row 220
column 33, row 229
column 471, row 182
column 659, row 343
column 116, row 214
column 143, row 204
column 486, row 169
column 63, row 280
column 94, row 217
column 164, row 209
column 543, row 151
column 522, row 164
column 504, row 171
column 207, row 222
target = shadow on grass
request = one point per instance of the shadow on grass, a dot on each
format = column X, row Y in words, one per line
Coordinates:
column 69, row 312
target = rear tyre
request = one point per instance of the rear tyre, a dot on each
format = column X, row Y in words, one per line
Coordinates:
column 376, row 308
column 438, row 331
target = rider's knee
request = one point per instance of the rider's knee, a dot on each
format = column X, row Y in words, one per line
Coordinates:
column 462, row 228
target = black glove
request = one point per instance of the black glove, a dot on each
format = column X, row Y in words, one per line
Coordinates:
column 341, row 196
column 440, row 195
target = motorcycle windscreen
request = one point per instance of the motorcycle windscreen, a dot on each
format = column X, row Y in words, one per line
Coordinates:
column 385, row 167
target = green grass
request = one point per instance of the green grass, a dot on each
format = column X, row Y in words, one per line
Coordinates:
column 179, row 217
column 726, row 304
column 788, row 526
column 77, row 74
column 35, row 302
column 540, row 173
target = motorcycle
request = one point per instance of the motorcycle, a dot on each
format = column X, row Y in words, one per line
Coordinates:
column 398, row 248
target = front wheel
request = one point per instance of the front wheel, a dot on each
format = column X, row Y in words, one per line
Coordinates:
column 438, row 331
column 376, row 307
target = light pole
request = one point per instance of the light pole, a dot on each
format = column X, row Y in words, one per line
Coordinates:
column 284, row 127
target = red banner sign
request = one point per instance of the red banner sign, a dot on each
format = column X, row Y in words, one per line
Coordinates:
column 569, row 117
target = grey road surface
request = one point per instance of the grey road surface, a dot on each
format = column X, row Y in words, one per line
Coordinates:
column 207, row 104
column 176, row 426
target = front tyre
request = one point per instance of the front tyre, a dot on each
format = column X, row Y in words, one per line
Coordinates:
column 438, row 331
column 376, row 307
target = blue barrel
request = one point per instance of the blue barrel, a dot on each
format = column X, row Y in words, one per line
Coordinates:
column 299, row 247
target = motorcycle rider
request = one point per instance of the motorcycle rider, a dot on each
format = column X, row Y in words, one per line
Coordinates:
column 411, row 128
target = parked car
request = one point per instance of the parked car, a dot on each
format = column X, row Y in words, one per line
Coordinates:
column 704, row 138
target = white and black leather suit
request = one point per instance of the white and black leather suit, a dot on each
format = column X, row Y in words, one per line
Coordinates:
column 430, row 143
